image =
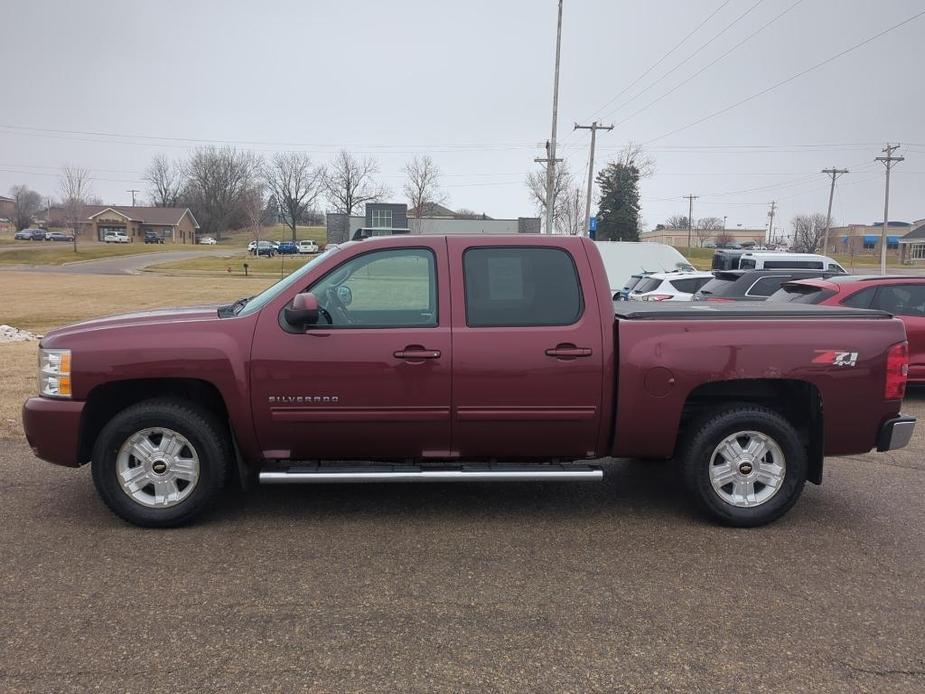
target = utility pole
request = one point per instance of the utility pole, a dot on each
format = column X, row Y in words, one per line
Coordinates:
column 834, row 173
column 551, row 160
column 690, row 218
column 770, row 238
column 133, row 191
column 594, row 127
column 888, row 161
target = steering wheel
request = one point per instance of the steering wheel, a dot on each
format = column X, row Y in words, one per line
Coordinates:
column 334, row 307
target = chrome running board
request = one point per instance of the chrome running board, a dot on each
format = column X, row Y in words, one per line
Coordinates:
column 325, row 474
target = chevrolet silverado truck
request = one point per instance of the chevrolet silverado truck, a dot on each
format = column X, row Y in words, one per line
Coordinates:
column 430, row 358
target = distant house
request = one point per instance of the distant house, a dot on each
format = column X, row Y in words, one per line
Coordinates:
column 383, row 219
column 912, row 245
column 7, row 213
column 175, row 224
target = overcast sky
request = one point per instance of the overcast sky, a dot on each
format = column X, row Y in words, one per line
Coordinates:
column 470, row 83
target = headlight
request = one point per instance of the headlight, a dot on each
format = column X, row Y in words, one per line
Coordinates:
column 55, row 373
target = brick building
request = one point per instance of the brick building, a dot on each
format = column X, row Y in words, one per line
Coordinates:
column 383, row 219
column 864, row 239
column 173, row 224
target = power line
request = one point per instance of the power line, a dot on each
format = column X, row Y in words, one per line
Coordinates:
column 711, row 64
column 688, row 58
column 790, row 79
column 660, row 60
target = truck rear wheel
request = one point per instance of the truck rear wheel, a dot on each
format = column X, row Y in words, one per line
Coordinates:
column 160, row 462
column 746, row 465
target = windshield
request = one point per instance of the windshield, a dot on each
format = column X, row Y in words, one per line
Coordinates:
column 274, row 290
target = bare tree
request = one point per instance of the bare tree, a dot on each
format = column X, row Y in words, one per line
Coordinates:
column 75, row 191
column 676, row 221
column 349, row 183
column 26, row 205
column 422, row 186
column 808, row 232
column 218, row 181
column 251, row 206
column 705, row 227
column 465, row 213
column 572, row 212
column 166, row 180
column 536, row 184
column 724, row 237
column 633, row 154
column 295, row 184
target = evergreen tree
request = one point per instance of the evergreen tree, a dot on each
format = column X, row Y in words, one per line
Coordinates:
column 618, row 213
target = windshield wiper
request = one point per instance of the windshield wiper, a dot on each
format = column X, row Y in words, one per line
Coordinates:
column 235, row 308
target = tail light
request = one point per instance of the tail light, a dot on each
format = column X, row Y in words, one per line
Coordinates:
column 897, row 371
column 656, row 297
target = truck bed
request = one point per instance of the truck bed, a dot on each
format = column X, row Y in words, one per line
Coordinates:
column 651, row 310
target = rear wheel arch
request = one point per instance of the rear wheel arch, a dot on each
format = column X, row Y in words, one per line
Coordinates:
column 799, row 402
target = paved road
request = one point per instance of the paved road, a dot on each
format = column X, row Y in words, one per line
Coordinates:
column 618, row 586
column 119, row 265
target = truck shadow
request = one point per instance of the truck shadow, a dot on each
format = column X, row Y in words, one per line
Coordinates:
column 642, row 489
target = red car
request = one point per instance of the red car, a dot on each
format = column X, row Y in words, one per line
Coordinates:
column 903, row 296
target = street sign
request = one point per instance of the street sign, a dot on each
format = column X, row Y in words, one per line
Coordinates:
column 592, row 224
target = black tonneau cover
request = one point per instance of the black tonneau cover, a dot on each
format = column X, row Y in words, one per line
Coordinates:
column 705, row 310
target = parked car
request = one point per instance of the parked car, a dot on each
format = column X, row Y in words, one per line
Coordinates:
column 207, row 241
column 902, row 296
column 38, row 235
column 709, row 244
column 623, row 259
column 403, row 350
column 116, row 237
column 669, row 286
column 153, row 237
column 59, row 236
column 624, row 293
column 24, row 235
column 287, row 248
column 749, row 285
column 776, row 260
column 264, row 248
column 308, row 246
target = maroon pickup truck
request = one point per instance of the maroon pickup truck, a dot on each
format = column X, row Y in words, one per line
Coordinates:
column 427, row 358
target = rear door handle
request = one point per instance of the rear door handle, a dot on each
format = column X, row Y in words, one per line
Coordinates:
column 415, row 352
column 566, row 351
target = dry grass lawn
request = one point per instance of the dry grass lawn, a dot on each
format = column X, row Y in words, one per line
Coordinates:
column 41, row 301
column 261, row 265
column 58, row 253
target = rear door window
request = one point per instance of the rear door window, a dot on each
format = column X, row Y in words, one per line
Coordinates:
column 521, row 286
column 689, row 285
column 808, row 264
column 901, row 299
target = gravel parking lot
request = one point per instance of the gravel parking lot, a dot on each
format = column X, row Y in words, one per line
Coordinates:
column 619, row 586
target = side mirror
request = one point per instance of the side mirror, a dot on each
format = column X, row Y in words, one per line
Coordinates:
column 304, row 310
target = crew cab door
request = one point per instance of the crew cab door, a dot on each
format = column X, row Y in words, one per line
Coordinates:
column 527, row 350
column 372, row 378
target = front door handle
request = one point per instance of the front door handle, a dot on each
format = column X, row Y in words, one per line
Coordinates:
column 568, row 351
column 416, row 352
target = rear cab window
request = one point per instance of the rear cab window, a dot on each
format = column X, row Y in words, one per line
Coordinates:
column 521, row 286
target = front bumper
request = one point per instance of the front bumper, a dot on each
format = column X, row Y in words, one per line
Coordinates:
column 895, row 433
column 53, row 429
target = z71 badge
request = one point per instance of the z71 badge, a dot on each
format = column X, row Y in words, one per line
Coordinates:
column 836, row 358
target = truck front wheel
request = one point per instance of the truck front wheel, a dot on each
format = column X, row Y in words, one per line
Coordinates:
column 160, row 462
column 745, row 465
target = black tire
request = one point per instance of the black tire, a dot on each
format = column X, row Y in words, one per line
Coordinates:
column 204, row 431
column 706, row 435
